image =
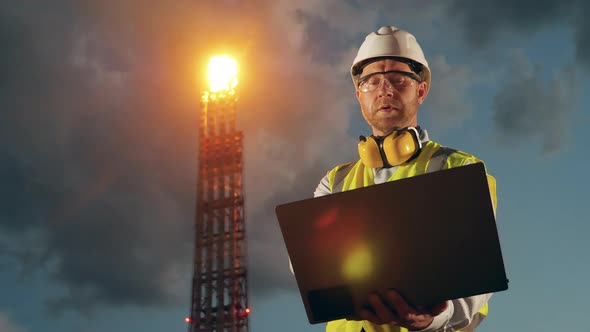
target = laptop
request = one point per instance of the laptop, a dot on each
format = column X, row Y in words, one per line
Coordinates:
column 431, row 237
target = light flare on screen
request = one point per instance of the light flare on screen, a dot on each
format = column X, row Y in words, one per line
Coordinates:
column 327, row 218
column 359, row 263
column 223, row 72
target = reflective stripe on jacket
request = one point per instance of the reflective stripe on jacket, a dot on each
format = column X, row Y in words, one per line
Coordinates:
column 432, row 157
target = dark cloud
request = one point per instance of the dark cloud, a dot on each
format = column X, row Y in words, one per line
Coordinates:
column 531, row 105
column 483, row 24
column 90, row 158
column 582, row 38
column 528, row 107
column 99, row 125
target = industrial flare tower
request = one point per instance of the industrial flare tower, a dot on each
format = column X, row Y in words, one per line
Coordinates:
column 219, row 289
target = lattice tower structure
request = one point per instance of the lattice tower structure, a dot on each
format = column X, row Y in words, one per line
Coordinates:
column 219, row 290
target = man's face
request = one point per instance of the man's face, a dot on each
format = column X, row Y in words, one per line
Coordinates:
column 388, row 108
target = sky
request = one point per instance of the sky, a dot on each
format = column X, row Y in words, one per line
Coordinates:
column 99, row 109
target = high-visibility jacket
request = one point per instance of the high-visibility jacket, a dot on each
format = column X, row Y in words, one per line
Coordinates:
column 432, row 157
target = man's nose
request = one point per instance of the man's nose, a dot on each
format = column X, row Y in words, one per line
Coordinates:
column 385, row 88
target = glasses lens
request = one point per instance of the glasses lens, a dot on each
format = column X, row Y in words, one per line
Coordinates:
column 397, row 79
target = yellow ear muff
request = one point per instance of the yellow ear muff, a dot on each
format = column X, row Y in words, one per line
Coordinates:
column 391, row 150
column 400, row 146
column 369, row 152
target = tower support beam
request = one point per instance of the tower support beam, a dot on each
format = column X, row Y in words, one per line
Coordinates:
column 219, row 287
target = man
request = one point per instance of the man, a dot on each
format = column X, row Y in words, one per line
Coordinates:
column 392, row 80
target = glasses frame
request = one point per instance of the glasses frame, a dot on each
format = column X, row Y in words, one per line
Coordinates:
column 404, row 73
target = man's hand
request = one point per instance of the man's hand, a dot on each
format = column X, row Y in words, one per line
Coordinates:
column 394, row 309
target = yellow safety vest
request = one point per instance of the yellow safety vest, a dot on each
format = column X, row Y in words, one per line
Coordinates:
column 432, row 157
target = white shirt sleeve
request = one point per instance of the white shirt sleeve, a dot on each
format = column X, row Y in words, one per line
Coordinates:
column 323, row 188
column 459, row 314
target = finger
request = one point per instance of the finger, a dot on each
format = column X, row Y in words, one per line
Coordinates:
column 399, row 304
column 383, row 312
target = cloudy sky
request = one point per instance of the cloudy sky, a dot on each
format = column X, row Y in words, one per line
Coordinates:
column 99, row 104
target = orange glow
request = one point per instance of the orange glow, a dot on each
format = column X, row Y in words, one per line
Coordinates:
column 223, row 72
column 247, row 310
column 188, row 320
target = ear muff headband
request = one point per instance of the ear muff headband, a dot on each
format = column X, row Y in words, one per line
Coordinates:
column 391, row 150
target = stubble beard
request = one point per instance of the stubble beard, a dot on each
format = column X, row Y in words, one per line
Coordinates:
column 403, row 115
column 386, row 123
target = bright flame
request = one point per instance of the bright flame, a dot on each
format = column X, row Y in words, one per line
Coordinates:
column 223, row 72
column 187, row 319
column 247, row 310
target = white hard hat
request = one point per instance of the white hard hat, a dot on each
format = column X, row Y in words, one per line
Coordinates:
column 390, row 42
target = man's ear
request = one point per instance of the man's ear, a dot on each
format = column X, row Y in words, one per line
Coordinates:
column 358, row 93
column 422, row 92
